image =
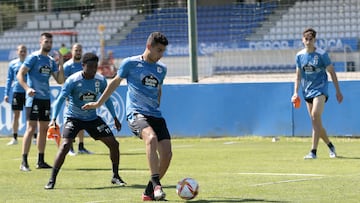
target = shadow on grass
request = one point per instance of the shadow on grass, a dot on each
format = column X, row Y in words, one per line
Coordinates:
column 106, row 169
column 346, row 157
column 221, row 199
column 121, row 154
column 134, row 186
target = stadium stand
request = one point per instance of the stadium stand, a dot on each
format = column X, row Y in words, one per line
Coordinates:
column 332, row 19
column 86, row 26
column 228, row 23
column 221, row 23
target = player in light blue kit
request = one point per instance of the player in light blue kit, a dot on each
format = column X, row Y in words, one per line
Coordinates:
column 80, row 88
column 18, row 92
column 145, row 75
column 70, row 67
column 311, row 73
column 38, row 66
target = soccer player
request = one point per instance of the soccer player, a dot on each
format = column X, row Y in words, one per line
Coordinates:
column 80, row 88
column 38, row 66
column 145, row 75
column 312, row 65
column 18, row 92
column 70, row 67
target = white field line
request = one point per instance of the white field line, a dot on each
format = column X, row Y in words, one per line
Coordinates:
column 315, row 177
column 287, row 181
column 282, row 174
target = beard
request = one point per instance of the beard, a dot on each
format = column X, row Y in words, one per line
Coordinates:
column 45, row 49
column 77, row 57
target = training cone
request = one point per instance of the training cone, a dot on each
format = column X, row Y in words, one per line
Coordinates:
column 53, row 133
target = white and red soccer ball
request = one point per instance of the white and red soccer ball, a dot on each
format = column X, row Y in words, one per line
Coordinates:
column 187, row 188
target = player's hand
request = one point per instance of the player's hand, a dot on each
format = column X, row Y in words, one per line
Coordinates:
column 61, row 59
column 294, row 97
column 117, row 124
column 339, row 97
column 52, row 123
column 90, row 105
column 31, row 92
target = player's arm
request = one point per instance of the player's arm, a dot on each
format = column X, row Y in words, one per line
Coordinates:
column 296, row 84
column 109, row 104
column 159, row 93
column 330, row 69
column 114, row 83
column 21, row 79
column 59, row 75
column 9, row 81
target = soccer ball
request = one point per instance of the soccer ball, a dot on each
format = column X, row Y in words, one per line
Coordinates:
column 187, row 188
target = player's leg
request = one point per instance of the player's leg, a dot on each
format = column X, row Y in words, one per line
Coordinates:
column 165, row 155
column 43, row 124
column 151, row 146
column 107, row 137
column 82, row 149
column 322, row 131
column 30, row 129
column 15, row 126
column 316, row 109
column 41, row 144
column 69, row 135
column 113, row 146
column 164, row 145
column 17, row 105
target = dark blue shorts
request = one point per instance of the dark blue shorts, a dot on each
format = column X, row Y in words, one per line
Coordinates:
column 18, row 101
column 39, row 111
column 96, row 128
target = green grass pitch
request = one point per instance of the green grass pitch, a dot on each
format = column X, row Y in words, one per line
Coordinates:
column 230, row 169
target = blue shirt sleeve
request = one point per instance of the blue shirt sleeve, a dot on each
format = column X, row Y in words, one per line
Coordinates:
column 326, row 59
column 124, row 68
column 58, row 104
column 9, row 80
column 109, row 104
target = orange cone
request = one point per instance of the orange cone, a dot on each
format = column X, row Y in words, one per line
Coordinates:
column 53, row 133
column 296, row 102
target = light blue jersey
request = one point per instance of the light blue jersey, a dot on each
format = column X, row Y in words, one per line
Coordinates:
column 143, row 81
column 314, row 79
column 71, row 67
column 80, row 91
column 14, row 67
column 40, row 69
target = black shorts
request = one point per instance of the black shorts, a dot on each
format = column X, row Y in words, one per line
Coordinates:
column 142, row 121
column 39, row 111
column 96, row 128
column 310, row 100
column 18, row 101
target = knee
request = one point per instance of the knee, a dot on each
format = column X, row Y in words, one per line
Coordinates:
column 116, row 144
column 169, row 155
column 66, row 145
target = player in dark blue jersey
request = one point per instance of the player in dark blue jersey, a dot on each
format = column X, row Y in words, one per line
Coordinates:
column 145, row 75
column 38, row 67
column 311, row 74
column 80, row 88
column 70, row 67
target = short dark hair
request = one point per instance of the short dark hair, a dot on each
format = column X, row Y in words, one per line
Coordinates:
column 157, row 38
column 311, row 30
column 90, row 57
column 47, row 35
